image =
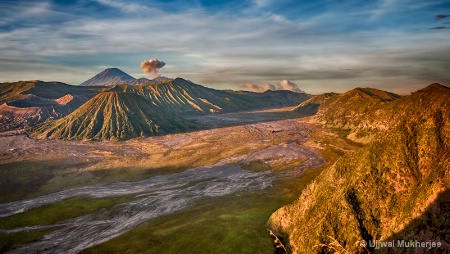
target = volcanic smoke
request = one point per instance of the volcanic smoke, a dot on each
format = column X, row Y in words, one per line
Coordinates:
column 151, row 67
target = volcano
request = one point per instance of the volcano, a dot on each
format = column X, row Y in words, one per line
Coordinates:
column 115, row 116
column 113, row 76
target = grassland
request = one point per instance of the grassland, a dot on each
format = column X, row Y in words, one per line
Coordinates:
column 231, row 224
column 49, row 215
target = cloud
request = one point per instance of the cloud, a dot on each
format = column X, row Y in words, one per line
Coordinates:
column 442, row 16
column 321, row 51
column 261, row 3
column 151, row 66
column 125, row 6
column 439, row 27
column 288, row 85
column 282, row 85
column 255, row 88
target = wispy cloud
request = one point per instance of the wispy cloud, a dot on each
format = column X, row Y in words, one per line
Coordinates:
column 261, row 3
column 439, row 27
column 323, row 48
column 129, row 7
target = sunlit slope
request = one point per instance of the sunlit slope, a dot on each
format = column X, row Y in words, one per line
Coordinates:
column 185, row 97
column 361, row 111
column 393, row 188
column 114, row 115
column 27, row 103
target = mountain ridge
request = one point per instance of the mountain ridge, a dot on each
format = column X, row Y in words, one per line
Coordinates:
column 34, row 101
column 392, row 188
column 114, row 116
column 351, row 111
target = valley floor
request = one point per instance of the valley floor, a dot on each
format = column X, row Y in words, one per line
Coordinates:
column 222, row 183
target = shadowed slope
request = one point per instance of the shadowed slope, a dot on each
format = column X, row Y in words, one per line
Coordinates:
column 379, row 190
column 26, row 103
column 114, row 115
column 312, row 105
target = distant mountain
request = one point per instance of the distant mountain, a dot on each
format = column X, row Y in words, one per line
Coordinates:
column 397, row 187
column 115, row 76
column 160, row 78
column 137, row 81
column 114, row 116
column 184, row 97
column 107, row 77
column 32, row 102
column 27, row 103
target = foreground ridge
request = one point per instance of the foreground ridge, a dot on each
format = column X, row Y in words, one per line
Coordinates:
column 390, row 189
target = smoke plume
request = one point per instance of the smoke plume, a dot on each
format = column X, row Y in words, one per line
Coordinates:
column 282, row 85
column 151, row 67
column 255, row 88
column 288, row 85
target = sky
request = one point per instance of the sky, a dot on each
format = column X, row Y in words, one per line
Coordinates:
column 320, row 46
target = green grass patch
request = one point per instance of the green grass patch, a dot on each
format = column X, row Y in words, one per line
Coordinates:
column 232, row 224
column 256, row 166
column 12, row 241
column 282, row 165
column 66, row 209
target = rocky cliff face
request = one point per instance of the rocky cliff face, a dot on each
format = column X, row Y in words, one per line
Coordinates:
column 395, row 187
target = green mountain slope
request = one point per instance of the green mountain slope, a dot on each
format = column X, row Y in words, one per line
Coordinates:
column 114, row 116
column 396, row 187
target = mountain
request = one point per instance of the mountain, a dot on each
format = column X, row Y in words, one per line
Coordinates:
column 114, row 116
column 27, row 103
column 109, row 76
column 355, row 102
column 397, row 187
column 138, row 81
column 184, row 97
column 160, row 78
column 115, row 76
column 311, row 106
column 353, row 111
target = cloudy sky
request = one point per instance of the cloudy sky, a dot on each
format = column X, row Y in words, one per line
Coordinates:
column 322, row 46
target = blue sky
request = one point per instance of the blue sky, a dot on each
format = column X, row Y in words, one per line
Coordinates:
column 322, row 46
